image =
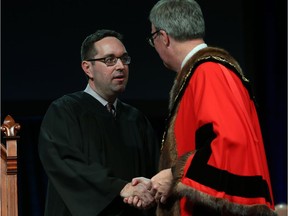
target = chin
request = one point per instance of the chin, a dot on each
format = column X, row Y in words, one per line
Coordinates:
column 120, row 89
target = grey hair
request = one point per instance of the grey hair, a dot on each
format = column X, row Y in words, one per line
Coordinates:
column 181, row 19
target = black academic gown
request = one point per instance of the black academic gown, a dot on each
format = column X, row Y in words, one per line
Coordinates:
column 89, row 156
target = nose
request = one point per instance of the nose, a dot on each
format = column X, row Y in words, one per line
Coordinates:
column 119, row 63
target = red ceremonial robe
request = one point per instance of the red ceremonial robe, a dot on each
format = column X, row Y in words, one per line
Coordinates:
column 213, row 142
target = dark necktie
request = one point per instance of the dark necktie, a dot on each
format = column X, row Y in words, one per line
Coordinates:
column 110, row 107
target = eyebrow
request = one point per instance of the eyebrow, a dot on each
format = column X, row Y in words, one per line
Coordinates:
column 112, row 55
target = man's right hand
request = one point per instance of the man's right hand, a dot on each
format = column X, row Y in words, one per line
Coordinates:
column 138, row 193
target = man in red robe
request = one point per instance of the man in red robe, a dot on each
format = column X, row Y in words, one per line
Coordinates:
column 213, row 159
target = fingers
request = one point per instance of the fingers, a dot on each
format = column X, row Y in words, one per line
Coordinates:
column 163, row 199
column 136, row 201
column 162, row 185
column 144, row 193
column 126, row 191
column 135, row 181
column 147, row 191
column 158, row 196
column 141, row 197
column 147, row 182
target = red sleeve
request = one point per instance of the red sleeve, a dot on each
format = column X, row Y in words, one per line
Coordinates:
column 230, row 160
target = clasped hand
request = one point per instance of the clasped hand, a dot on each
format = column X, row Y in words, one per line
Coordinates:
column 144, row 193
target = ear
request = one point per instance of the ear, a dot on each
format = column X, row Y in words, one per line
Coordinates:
column 165, row 38
column 86, row 66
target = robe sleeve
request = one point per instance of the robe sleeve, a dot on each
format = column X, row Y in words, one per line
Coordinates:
column 228, row 167
column 85, row 188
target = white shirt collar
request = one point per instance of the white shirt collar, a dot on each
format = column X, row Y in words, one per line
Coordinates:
column 94, row 94
column 192, row 52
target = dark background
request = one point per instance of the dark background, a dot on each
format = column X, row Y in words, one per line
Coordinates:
column 40, row 61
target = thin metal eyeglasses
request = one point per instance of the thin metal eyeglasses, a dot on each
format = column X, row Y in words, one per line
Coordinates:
column 112, row 60
column 151, row 38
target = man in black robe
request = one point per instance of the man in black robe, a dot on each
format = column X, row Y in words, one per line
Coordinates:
column 90, row 154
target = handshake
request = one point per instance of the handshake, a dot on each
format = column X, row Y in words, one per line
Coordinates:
column 143, row 193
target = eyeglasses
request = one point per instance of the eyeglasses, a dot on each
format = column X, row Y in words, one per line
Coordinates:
column 112, row 60
column 151, row 38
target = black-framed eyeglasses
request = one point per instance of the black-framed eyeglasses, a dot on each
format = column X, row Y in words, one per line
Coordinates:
column 112, row 60
column 151, row 38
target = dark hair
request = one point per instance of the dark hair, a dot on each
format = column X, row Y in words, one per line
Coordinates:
column 87, row 48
